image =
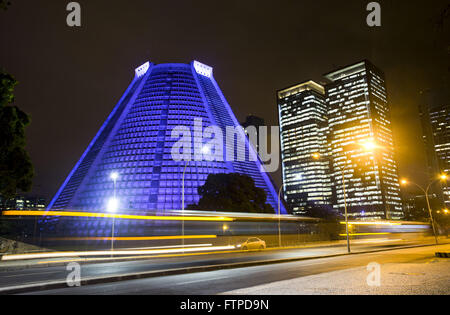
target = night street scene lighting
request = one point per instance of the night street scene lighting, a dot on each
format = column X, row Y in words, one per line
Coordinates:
column 218, row 156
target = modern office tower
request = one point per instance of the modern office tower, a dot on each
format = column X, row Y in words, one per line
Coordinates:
column 361, row 143
column 136, row 142
column 436, row 135
column 256, row 122
column 304, row 150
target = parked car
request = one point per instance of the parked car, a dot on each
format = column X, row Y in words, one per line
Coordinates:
column 253, row 243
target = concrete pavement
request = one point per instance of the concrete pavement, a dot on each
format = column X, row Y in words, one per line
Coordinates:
column 416, row 276
column 13, row 281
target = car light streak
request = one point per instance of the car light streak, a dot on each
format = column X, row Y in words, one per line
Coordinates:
column 115, row 253
column 365, row 234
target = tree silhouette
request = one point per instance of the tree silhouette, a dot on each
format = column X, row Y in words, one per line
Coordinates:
column 16, row 170
column 4, row 4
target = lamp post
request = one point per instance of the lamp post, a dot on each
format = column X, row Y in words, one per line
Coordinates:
column 279, row 215
column 442, row 177
column 205, row 150
column 182, row 204
column 112, row 207
column 317, row 156
column 368, row 145
column 225, row 228
column 344, row 168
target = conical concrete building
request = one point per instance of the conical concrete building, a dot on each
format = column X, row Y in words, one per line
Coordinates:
column 137, row 143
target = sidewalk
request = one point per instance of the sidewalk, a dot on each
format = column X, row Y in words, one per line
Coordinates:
column 396, row 278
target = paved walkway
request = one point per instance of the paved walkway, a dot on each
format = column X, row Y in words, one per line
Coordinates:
column 430, row 277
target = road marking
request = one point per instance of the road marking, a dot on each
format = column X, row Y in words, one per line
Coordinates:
column 29, row 274
column 202, row 280
column 318, row 263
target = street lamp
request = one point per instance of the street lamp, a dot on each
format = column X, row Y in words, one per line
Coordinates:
column 182, row 204
column 317, row 156
column 205, row 150
column 113, row 205
column 279, row 215
column 225, row 228
column 442, row 177
column 369, row 145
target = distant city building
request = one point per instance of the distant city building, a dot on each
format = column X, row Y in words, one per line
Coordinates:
column 436, row 135
column 136, row 143
column 303, row 131
column 416, row 208
column 23, row 203
column 256, row 122
column 358, row 110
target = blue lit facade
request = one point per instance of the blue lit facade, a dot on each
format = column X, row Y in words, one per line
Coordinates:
column 135, row 141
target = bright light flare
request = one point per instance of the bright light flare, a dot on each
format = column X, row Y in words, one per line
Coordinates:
column 114, row 176
column 113, row 205
column 316, row 156
column 369, row 145
column 206, row 150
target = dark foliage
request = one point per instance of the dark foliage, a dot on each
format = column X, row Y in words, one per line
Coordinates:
column 323, row 212
column 232, row 193
column 4, row 4
column 16, row 169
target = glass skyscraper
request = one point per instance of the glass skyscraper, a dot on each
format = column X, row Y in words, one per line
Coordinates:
column 326, row 130
column 303, row 131
column 436, row 135
column 136, row 142
column 358, row 112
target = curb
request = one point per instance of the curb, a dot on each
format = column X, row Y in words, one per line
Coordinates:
column 178, row 271
column 443, row 255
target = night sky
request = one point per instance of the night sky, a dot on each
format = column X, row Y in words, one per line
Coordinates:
column 71, row 78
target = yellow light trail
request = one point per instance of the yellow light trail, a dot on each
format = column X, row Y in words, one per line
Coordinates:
column 365, row 234
column 143, row 238
column 370, row 223
column 110, row 216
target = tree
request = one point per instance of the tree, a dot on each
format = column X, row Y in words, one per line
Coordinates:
column 232, row 193
column 327, row 213
column 16, row 169
column 4, row 4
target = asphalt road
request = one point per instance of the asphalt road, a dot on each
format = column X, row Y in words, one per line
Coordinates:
column 268, row 279
column 41, row 274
